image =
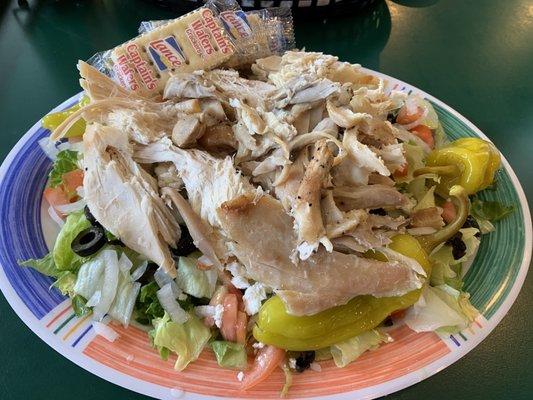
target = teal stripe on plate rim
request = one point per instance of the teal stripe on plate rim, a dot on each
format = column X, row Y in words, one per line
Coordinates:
column 497, row 263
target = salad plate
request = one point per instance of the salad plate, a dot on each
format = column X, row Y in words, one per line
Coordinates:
column 493, row 280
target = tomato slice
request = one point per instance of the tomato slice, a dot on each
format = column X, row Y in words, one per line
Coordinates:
column 402, row 171
column 72, row 180
column 229, row 317
column 55, row 197
column 404, row 118
column 424, row 133
column 266, row 362
column 240, row 327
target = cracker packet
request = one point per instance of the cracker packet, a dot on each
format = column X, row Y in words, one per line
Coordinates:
column 255, row 34
column 197, row 40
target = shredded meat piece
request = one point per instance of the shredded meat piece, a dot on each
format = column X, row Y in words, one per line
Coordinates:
column 306, row 211
column 428, row 217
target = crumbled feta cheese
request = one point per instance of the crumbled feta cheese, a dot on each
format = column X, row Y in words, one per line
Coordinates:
column 240, row 376
column 292, row 363
column 258, row 345
column 205, row 311
column 253, row 296
column 219, row 310
column 238, row 272
column 240, row 283
column 214, row 312
column 315, row 367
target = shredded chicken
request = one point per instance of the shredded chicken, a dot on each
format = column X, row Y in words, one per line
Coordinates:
column 264, row 240
column 279, row 170
column 306, row 210
column 427, row 217
column 129, row 207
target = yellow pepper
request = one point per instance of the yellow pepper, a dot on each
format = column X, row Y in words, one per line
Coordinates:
column 276, row 327
column 53, row 120
column 468, row 162
column 462, row 208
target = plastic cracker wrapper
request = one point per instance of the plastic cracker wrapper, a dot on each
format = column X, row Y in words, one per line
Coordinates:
column 255, row 34
column 197, row 40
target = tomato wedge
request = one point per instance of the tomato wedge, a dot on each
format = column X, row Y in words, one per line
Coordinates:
column 229, row 317
column 424, row 133
column 240, row 327
column 266, row 362
column 55, row 197
column 72, row 180
column 404, row 118
column 402, row 171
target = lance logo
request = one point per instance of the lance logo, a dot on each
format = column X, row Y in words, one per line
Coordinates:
column 166, row 53
column 236, row 24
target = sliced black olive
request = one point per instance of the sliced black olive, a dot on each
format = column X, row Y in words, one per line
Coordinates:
column 185, row 244
column 472, row 223
column 458, row 246
column 89, row 241
column 378, row 211
column 304, row 360
column 90, row 216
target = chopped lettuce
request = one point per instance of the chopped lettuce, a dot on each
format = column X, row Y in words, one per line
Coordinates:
column 345, row 352
column 446, row 274
column 323, row 354
column 441, row 308
column 485, row 226
column 441, row 139
column 427, row 201
column 66, row 161
column 431, row 120
column 471, row 241
column 122, row 307
column 107, row 287
column 194, row 281
column 45, row 265
column 89, row 279
column 415, row 156
column 65, row 259
column 147, row 306
column 79, row 304
column 229, row 354
column 187, row 340
column 65, row 283
column 490, row 210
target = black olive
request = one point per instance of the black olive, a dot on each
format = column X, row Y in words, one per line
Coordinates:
column 378, row 211
column 472, row 223
column 89, row 241
column 388, row 321
column 90, row 216
column 185, row 244
column 304, row 360
column 458, row 246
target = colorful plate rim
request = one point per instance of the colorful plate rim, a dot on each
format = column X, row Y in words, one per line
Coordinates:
column 382, row 389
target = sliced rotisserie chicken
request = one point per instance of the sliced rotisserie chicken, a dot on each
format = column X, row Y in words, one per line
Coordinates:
column 124, row 199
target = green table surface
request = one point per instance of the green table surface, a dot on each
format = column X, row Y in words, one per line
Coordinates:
column 476, row 56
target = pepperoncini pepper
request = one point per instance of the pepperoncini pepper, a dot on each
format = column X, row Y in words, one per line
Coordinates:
column 276, row 327
column 53, row 120
column 458, row 194
column 468, row 162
